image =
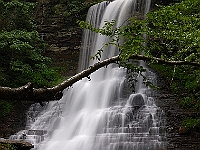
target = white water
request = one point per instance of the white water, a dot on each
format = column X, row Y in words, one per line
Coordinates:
column 101, row 114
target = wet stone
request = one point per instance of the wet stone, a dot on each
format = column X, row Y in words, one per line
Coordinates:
column 137, row 100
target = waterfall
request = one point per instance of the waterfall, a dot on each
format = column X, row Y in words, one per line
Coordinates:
column 100, row 113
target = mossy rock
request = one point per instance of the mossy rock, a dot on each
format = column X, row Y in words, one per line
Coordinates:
column 14, row 145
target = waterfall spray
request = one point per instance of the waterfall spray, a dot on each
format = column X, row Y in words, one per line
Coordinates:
column 100, row 114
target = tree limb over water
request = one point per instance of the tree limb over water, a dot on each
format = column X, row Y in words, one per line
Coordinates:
column 27, row 92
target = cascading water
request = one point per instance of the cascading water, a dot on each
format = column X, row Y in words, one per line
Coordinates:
column 101, row 113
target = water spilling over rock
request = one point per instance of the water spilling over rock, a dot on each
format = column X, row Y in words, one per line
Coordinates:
column 101, row 113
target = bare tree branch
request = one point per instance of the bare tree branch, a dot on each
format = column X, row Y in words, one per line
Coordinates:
column 162, row 61
column 45, row 94
column 27, row 92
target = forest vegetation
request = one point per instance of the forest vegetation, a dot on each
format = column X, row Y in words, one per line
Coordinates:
column 172, row 47
column 22, row 50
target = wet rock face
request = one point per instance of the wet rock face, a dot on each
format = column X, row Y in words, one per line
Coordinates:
column 178, row 138
column 16, row 120
column 60, row 32
column 136, row 100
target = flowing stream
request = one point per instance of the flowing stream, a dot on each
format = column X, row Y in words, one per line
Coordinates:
column 100, row 113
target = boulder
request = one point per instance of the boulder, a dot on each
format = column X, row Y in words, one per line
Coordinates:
column 136, row 100
column 183, row 130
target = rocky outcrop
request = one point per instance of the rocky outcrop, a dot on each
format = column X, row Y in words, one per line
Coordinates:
column 17, row 145
column 60, row 32
column 137, row 100
column 178, row 138
column 16, row 120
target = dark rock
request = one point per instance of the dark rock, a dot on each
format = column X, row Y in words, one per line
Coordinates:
column 136, row 100
column 178, row 138
column 161, row 149
column 183, row 131
column 19, row 145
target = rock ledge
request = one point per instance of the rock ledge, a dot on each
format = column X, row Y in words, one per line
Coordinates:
column 19, row 145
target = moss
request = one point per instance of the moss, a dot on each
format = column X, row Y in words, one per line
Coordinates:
column 5, row 108
column 191, row 124
column 7, row 146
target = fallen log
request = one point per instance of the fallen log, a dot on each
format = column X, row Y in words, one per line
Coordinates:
column 27, row 92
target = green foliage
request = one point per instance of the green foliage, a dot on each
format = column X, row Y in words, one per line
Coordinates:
column 132, row 35
column 190, row 103
column 21, row 48
column 46, row 77
column 176, row 28
column 16, row 15
column 7, row 146
column 133, row 71
column 191, row 124
column 6, row 108
column 73, row 9
column 171, row 33
column 184, row 81
column 187, row 103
